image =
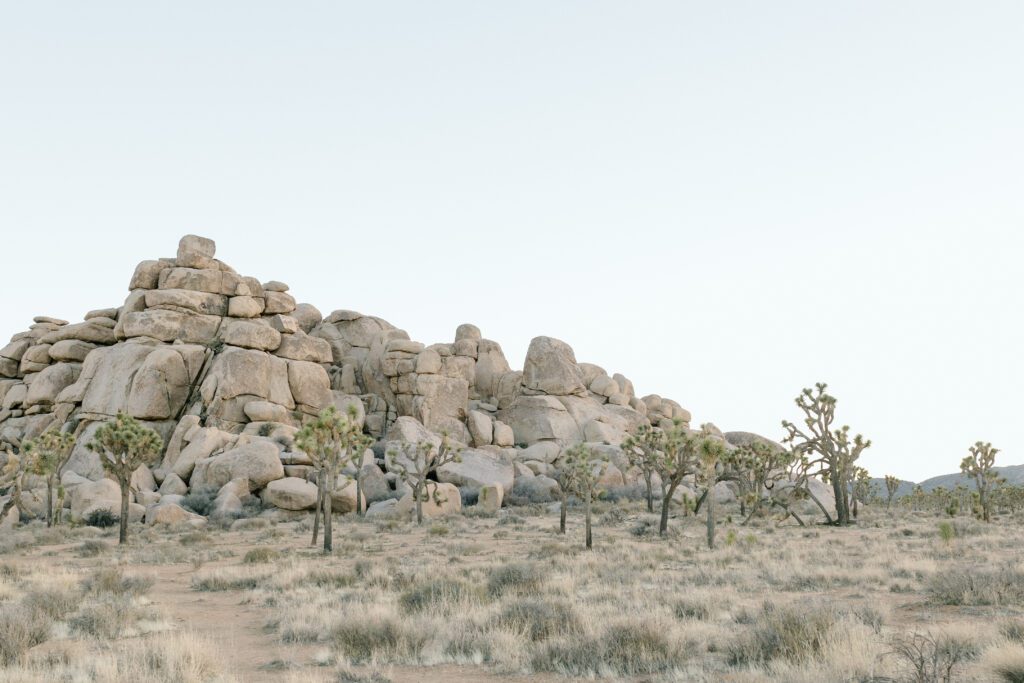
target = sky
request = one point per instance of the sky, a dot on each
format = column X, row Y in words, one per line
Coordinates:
column 724, row 201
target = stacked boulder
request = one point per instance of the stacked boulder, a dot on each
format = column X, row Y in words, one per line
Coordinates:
column 227, row 368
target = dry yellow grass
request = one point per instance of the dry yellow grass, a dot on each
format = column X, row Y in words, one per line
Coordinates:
column 506, row 598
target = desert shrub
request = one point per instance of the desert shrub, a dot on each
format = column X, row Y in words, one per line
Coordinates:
column 55, row 604
column 194, row 538
column 200, row 500
column 102, row 518
column 539, row 619
column 438, row 530
column 245, row 523
column 796, row 634
column 106, row 618
column 628, row 492
column 261, row 556
column 434, row 595
column 226, row 582
column 1006, row 663
column 630, row 648
column 326, row 578
column 946, row 532
column 92, row 548
column 519, row 576
column 932, row 659
column 692, row 609
column 1012, row 629
column 977, row 586
column 381, row 638
column 113, row 580
column 8, row 572
column 613, row 516
column 20, row 629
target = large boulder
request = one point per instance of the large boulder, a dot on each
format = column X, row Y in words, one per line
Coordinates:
column 541, row 418
column 291, row 493
column 551, row 368
column 250, row 335
column 477, row 469
column 50, row 382
column 203, row 443
column 441, row 500
column 172, row 514
column 160, row 386
column 244, row 372
column 95, row 495
column 259, row 461
column 168, row 326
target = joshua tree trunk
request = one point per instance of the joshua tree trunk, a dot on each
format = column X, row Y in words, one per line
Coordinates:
column 319, row 505
column 711, row 521
column 650, row 493
column 328, row 535
column 359, row 492
column 49, row 501
column 665, row 502
column 562, row 512
column 590, row 538
column 418, row 495
column 839, row 491
column 58, row 516
column 123, row 536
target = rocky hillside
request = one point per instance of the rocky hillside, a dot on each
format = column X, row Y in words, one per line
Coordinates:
column 225, row 367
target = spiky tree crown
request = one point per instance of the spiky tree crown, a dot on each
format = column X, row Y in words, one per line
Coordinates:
column 51, row 451
column 124, row 444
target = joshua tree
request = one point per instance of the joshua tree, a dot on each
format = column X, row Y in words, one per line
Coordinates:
column 416, row 462
column 642, row 450
column 331, row 441
column 587, row 469
column 710, row 452
column 892, row 485
column 564, row 476
column 676, row 460
column 52, row 451
column 863, row 488
column 16, row 467
column 832, row 452
column 124, row 445
column 979, row 466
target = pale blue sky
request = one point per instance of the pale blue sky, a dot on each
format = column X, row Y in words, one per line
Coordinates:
column 724, row 201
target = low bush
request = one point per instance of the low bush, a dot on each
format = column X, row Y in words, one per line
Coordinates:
column 977, row 586
column 261, row 556
column 113, row 580
column 200, row 500
column 438, row 595
column 629, row 648
column 21, row 628
column 102, row 518
column 520, row 577
column 795, row 634
column 539, row 619
column 379, row 639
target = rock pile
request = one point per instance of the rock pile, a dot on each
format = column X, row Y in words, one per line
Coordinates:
column 225, row 368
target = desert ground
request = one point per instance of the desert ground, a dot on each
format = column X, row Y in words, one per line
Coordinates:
column 901, row 596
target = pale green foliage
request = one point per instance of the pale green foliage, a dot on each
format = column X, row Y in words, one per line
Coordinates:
column 332, row 441
column 416, row 462
column 830, row 452
column 51, row 452
column 123, row 446
column 979, row 466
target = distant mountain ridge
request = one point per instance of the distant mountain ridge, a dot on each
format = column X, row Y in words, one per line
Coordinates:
column 1014, row 474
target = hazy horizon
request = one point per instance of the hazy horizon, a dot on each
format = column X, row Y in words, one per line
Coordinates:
column 726, row 203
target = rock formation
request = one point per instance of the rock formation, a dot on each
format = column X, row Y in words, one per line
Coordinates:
column 226, row 368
